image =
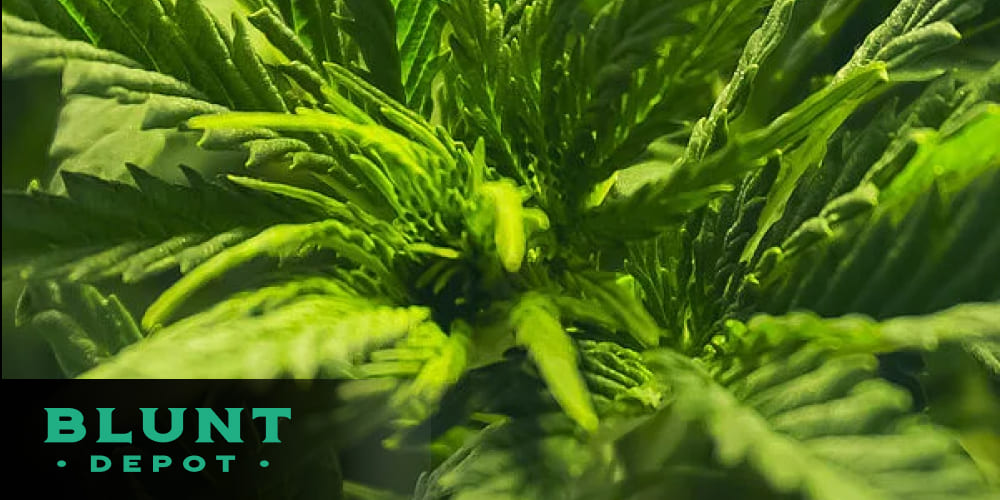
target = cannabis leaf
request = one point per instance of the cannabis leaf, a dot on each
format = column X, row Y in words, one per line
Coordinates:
column 821, row 426
column 575, row 249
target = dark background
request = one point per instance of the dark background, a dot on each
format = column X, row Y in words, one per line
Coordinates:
column 304, row 465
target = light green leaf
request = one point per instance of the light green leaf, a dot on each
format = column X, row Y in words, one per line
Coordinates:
column 83, row 327
column 441, row 359
column 813, row 425
column 504, row 202
column 308, row 336
column 537, row 328
column 952, row 158
column 961, row 324
column 278, row 241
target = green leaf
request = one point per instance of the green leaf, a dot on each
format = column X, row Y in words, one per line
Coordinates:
column 953, row 158
column 810, row 424
column 537, row 328
column 278, row 241
column 971, row 323
column 283, row 37
column 83, row 327
column 488, row 209
column 108, row 101
column 418, row 36
column 913, row 29
column 313, row 22
column 524, row 460
column 620, row 375
column 504, row 201
column 50, row 14
column 103, row 229
column 30, row 48
column 987, row 353
column 621, row 304
column 138, row 31
column 439, row 362
column 146, row 33
column 393, row 169
column 200, row 30
column 806, row 156
column 308, row 336
column 684, row 186
column 873, row 154
column 883, row 262
column 761, row 44
column 372, row 25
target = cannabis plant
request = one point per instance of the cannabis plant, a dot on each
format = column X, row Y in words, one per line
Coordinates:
column 602, row 249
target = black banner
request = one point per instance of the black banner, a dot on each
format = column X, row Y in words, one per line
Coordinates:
column 235, row 441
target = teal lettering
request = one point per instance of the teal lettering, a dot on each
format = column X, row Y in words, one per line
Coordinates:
column 194, row 468
column 105, row 434
column 271, row 416
column 130, row 463
column 65, row 425
column 94, row 467
column 149, row 425
column 225, row 459
column 207, row 419
column 160, row 462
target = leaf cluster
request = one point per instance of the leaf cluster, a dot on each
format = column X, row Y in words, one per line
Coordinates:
column 569, row 249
